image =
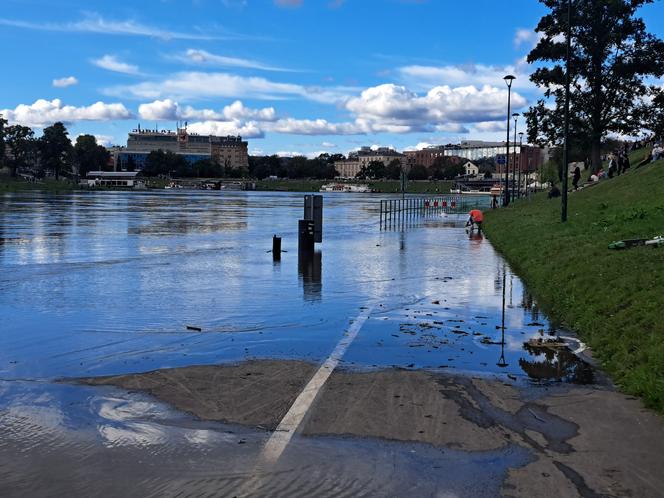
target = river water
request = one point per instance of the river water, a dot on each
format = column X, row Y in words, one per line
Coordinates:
column 98, row 283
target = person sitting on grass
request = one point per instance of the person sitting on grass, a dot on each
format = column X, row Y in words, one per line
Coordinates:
column 554, row 192
column 646, row 160
column 476, row 217
column 657, row 152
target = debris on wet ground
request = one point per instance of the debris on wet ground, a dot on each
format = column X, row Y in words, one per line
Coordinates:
column 546, row 343
column 472, row 342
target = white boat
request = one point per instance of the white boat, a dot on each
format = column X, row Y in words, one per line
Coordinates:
column 457, row 191
column 495, row 190
column 345, row 187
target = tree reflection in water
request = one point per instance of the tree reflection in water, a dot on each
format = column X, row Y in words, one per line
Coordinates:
column 557, row 364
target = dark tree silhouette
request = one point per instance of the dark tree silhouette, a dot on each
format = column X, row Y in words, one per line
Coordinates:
column 612, row 54
column 55, row 149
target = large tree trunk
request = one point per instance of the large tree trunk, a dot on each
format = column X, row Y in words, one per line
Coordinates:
column 596, row 154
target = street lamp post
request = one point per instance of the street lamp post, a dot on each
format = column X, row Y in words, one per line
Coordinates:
column 520, row 160
column 514, row 163
column 563, row 214
column 508, row 80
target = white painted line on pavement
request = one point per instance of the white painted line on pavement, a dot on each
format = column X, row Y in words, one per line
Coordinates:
column 292, row 420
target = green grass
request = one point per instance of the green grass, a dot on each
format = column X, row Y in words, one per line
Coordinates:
column 291, row 185
column 8, row 184
column 413, row 187
column 612, row 299
column 387, row 186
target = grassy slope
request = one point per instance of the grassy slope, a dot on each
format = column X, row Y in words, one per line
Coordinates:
column 613, row 299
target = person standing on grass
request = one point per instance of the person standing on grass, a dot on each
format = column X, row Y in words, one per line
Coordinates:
column 624, row 163
column 576, row 178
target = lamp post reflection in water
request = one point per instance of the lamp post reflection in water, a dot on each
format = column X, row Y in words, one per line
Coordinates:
column 310, row 268
column 501, row 362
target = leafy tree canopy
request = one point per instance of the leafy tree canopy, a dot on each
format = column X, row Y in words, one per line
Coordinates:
column 21, row 143
column 55, row 149
column 89, row 155
column 611, row 56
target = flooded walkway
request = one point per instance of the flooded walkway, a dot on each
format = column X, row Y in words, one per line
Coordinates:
column 453, row 384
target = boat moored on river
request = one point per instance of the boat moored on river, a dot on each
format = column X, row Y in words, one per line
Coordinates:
column 346, row 187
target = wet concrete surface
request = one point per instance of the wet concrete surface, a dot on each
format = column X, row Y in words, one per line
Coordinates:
column 456, row 385
column 62, row 440
column 579, row 441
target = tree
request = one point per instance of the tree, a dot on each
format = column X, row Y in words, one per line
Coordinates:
column 654, row 113
column 376, row 170
column 393, row 170
column 166, row 163
column 55, row 149
column 446, row 168
column 418, row 172
column 89, row 155
column 550, row 173
column 452, row 170
column 21, row 143
column 612, row 54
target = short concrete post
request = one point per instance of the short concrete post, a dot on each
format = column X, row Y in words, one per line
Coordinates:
column 276, row 248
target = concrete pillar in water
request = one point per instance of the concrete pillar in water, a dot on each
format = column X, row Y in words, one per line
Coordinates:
column 306, row 236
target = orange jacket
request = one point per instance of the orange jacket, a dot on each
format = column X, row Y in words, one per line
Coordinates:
column 477, row 216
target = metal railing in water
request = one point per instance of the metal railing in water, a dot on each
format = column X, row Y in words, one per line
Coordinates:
column 397, row 213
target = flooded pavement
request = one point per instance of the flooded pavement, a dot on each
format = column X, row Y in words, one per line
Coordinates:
column 107, row 283
column 440, row 376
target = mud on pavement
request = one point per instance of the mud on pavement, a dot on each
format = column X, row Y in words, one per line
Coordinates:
column 581, row 441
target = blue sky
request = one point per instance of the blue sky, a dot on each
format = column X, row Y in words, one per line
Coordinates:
column 290, row 76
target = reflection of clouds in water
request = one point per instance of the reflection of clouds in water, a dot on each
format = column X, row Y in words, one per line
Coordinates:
column 208, row 437
column 123, row 430
column 132, row 434
column 120, row 410
column 49, row 418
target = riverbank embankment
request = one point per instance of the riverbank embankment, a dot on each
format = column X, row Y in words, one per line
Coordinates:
column 8, row 184
column 612, row 299
column 385, row 186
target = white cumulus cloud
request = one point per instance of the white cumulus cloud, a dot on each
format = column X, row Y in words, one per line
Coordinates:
column 65, row 82
column 46, row 112
column 237, row 110
column 424, row 77
column 222, row 128
column 491, row 126
column 315, row 127
column 114, row 64
column 168, row 109
column 394, row 108
column 525, row 36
